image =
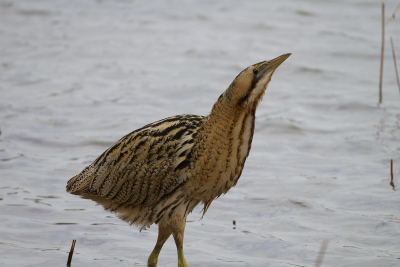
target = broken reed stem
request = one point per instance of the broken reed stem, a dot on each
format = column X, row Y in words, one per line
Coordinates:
column 391, row 174
column 391, row 168
column 395, row 63
column 321, row 253
column 71, row 252
column 382, row 52
column 392, row 16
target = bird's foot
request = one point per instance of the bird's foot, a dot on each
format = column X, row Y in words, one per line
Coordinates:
column 153, row 258
column 181, row 259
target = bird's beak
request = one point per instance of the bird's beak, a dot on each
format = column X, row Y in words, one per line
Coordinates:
column 274, row 63
column 267, row 68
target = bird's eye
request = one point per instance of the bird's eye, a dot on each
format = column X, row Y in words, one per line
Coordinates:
column 255, row 71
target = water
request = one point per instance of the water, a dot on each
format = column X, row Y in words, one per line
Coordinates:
column 75, row 76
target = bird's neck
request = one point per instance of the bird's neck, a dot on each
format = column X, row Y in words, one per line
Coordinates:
column 227, row 134
column 235, row 126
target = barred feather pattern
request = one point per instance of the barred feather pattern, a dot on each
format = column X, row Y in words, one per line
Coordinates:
column 180, row 160
column 141, row 169
column 160, row 172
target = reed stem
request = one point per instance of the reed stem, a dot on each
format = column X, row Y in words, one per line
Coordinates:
column 392, row 16
column 382, row 52
column 391, row 175
column 71, row 252
column 395, row 63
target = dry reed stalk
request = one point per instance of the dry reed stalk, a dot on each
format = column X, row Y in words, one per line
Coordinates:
column 391, row 175
column 395, row 63
column 392, row 16
column 71, row 252
column 382, row 52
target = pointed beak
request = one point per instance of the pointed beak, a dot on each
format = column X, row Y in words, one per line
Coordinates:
column 267, row 68
column 274, row 63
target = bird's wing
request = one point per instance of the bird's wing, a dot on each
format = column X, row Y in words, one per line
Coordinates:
column 144, row 165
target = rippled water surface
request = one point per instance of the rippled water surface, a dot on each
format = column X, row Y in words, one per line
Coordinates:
column 75, row 76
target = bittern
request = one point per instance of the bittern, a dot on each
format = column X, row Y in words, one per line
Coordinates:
column 160, row 172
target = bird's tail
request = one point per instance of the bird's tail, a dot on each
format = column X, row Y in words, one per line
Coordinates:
column 80, row 183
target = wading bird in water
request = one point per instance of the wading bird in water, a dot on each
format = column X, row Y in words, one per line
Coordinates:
column 160, row 172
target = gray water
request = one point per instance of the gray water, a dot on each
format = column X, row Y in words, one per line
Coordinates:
column 75, row 76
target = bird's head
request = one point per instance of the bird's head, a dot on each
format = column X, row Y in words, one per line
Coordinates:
column 249, row 86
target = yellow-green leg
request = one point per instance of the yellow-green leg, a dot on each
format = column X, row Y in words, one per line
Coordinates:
column 163, row 234
column 181, row 259
column 178, row 231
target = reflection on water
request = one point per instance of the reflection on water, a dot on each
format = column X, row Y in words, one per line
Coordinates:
column 76, row 76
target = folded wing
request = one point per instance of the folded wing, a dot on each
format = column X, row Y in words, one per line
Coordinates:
column 143, row 166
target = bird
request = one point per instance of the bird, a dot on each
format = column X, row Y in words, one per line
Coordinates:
column 157, row 174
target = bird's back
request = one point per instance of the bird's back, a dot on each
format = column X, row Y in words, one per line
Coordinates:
column 142, row 167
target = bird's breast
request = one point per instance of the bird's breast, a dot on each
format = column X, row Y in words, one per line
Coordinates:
column 242, row 136
column 223, row 161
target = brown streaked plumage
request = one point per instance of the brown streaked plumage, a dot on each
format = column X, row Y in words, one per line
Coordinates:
column 160, row 172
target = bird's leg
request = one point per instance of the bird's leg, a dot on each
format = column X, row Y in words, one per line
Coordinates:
column 178, row 230
column 163, row 233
